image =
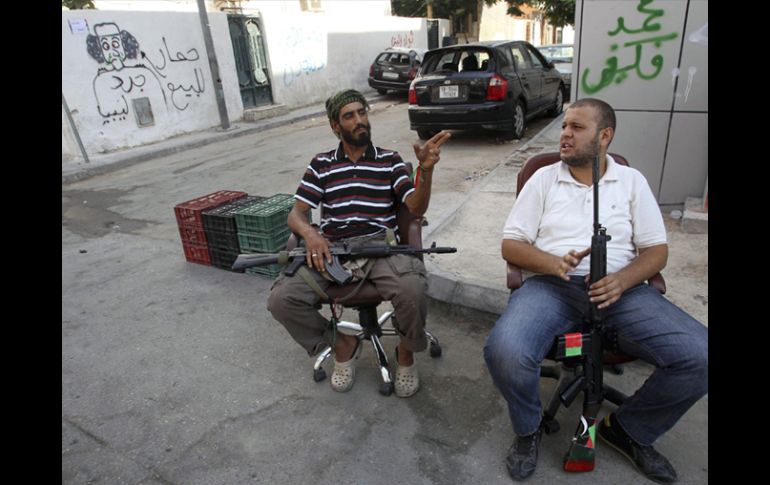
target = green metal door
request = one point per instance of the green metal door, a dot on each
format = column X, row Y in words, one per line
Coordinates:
column 250, row 60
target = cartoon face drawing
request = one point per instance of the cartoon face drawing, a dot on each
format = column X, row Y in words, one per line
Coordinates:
column 111, row 46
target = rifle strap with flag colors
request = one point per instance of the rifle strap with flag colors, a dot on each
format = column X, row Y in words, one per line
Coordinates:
column 573, row 345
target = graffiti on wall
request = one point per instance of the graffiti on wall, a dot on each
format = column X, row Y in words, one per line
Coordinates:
column 402, row 40
column 127, row 73
column 181, row 92
column 700, row 36
column 638, row 42
column 305, row 54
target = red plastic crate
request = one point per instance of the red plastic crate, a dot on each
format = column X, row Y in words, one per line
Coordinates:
column 197, row 254
column 193, row 235
column 189, row 213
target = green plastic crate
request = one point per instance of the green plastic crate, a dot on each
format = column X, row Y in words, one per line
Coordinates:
column 267, row 216
column 263, row 243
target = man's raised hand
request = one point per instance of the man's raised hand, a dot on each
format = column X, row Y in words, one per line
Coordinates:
column 428, row 154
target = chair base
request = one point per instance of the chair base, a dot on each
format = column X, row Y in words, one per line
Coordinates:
column 365, row 332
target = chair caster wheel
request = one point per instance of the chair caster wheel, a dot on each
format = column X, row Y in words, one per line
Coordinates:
column 319, row 375
column 435, row 350
column 551, row 426
column 386, row 388
column 617, row 369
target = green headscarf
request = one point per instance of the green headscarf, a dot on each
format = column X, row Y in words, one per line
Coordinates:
column 335, row 103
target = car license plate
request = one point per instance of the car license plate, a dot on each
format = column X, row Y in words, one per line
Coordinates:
column 448, row 92
column 390, row 75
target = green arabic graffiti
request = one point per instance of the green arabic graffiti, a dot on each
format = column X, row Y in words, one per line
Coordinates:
column 645, row 26
column 612, row 72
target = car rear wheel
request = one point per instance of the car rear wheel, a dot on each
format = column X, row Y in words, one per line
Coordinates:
column 558, row 103
column 382, row 91
column 518, row 123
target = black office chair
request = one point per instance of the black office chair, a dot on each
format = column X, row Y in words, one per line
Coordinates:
column 366, row 300
column 566, row 371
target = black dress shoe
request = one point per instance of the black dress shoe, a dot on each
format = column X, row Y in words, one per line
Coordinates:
column 522, row 457
column 646, row 459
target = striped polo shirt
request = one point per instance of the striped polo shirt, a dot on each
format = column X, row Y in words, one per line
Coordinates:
column 357, row 198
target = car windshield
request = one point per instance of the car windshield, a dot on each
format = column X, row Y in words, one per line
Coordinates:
column 557, row 53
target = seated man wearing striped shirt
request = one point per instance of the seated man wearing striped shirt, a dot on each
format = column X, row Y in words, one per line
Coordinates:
column 357, row 185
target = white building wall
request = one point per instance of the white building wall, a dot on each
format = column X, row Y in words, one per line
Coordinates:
column 654, row 72
column 69, row 147
column 496, row 24
column 310, row 56
column 315, row 54
column 165, row 64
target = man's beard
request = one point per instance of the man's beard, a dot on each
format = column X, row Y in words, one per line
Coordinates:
column 362, row 140
column 585, row 156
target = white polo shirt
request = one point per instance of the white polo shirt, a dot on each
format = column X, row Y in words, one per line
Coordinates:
column 554, row 212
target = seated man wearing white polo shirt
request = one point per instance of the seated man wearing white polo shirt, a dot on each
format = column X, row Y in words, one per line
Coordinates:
column 548, row 232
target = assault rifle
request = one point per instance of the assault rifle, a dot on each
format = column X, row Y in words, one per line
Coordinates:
column 581, row 454
column 298, row 256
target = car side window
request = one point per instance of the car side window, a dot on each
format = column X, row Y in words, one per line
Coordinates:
column 505, row 60
column 521, row 59
column 536, row 57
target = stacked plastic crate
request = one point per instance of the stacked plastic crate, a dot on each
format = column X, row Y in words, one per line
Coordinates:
column 263, row 228
column 189, row 218
column 222, row 232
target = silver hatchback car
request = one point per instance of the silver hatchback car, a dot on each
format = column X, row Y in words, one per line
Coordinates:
column 394, row 68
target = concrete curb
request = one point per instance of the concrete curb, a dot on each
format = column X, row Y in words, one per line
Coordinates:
column 450, row 289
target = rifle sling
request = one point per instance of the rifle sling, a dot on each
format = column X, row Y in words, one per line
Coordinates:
column 304, row 273
column 367, row 269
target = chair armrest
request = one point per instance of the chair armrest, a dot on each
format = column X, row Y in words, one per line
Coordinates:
column 658, row 283
column 514, row 277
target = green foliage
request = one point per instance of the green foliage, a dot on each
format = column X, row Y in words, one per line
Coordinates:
column 78, row 4
column 557, row 12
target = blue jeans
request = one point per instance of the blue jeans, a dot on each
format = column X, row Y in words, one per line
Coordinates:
column 667, row 337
